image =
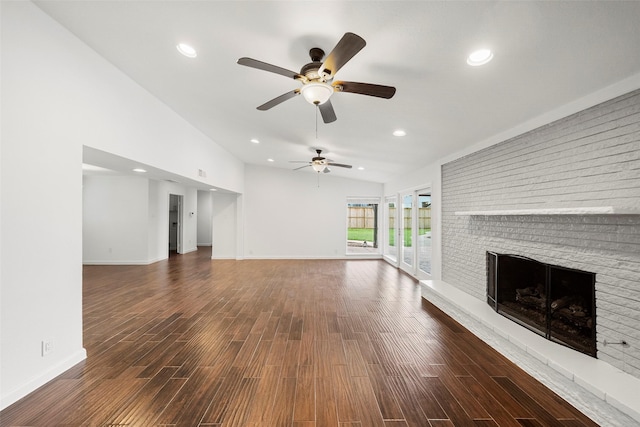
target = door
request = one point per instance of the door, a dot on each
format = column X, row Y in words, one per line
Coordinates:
column 423, row 233
column 406, row 218
column 391, row 229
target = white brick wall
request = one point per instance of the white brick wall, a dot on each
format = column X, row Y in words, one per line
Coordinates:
column 591, row 158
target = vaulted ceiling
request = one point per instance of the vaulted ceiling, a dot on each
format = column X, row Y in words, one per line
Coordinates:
column 546, row 54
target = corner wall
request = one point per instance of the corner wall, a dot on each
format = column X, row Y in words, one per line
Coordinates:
column 292, row 214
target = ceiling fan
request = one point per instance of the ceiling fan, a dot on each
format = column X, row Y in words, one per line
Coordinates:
column 316, row 77
column 319, row 163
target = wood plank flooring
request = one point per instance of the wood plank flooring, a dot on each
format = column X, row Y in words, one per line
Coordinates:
column 301, row 343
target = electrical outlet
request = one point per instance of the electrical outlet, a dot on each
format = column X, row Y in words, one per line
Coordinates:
column 47, row 346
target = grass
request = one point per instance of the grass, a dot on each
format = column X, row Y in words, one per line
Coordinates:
column 362, row 234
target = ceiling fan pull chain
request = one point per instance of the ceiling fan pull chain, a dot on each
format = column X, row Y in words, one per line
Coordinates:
column 317, row 108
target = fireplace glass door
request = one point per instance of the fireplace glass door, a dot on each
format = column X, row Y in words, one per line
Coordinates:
column 522, row 294
column 555, row 302
column 572, row 308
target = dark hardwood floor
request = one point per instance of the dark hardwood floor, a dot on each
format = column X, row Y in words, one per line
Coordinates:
column 195, row 342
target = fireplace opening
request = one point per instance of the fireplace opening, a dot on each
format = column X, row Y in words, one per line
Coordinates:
column 552, row 301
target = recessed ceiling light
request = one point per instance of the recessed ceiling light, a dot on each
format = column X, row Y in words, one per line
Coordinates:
column 360, row 168
column 255, row 141
column 269, row 160
column 187, row 50
column 139, row 170
column 399, row 132
column 479, row 57
column 213, row 189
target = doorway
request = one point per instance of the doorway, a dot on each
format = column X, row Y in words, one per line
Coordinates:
column 175, row 224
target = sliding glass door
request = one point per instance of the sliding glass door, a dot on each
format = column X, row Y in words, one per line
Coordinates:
column 406, row 233
column 414, row 233
column 391, row 229
column 423, row 235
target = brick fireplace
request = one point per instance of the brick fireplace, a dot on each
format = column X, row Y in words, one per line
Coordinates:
column 566, row 194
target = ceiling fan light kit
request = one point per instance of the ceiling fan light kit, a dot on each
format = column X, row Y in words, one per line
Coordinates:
column 318, row 166
column 317, row 93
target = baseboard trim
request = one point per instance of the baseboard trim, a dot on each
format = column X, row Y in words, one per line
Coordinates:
column 119, row 262
column 40, row 380
column 337, row 257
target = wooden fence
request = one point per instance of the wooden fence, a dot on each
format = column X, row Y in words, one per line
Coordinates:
column 363, row 217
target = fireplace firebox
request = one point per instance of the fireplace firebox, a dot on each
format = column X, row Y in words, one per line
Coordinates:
column 555, row 302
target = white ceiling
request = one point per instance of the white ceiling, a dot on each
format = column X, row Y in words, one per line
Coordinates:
column 547, row 54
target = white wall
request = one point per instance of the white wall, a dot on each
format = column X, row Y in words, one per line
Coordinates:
column 114, row 114
column 286, row 214
column 41, row 201
column 225, row 226
column 115, row 216
column 157, row 232
column 205, row 216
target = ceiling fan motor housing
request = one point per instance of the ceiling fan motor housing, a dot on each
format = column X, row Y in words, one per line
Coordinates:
column 310, row 70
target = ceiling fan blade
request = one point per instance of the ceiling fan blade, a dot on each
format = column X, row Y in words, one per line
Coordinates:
column 278, row 100
column 340, row 165
column 328, row 115
column 302, row 167
column 366, row 89
column 254, row 63
column 347, row 47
